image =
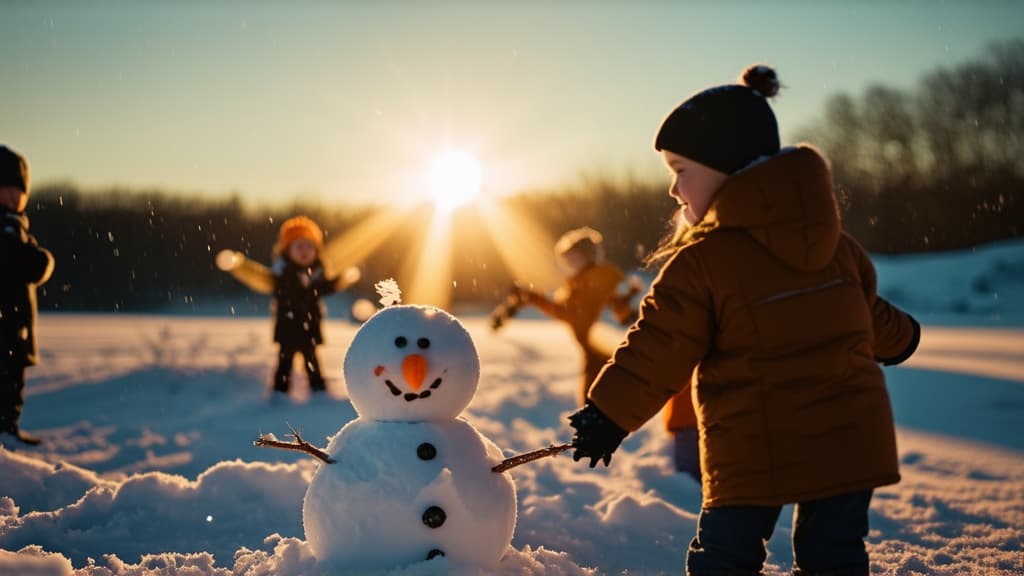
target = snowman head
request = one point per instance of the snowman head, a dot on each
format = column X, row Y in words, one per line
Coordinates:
column 411, row 363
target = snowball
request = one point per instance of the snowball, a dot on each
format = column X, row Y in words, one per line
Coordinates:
column 411, row 363
column 367, row 510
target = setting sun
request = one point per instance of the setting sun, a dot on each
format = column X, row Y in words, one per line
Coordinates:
column 455, row 179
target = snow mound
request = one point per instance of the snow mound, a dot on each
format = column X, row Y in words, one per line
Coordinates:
column 980, row 285
column 231, row 504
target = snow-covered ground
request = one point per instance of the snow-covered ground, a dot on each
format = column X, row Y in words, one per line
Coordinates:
column 149, row 468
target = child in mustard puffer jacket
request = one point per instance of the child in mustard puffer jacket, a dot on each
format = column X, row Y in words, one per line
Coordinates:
column 776, row 309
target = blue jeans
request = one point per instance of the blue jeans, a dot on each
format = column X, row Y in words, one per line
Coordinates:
column 828, row 538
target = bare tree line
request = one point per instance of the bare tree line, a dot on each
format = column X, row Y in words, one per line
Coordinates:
column 936, row 167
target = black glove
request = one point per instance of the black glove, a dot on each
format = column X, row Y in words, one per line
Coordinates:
column 596, row 436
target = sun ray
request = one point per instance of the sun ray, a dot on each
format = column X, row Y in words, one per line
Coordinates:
column 358, row 242
column 524, row 247
column 430, row 270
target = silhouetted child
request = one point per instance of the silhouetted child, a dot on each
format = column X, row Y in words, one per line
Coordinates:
column 297, row 280
column 591, row 285
column 776, row 308
column 23, row 266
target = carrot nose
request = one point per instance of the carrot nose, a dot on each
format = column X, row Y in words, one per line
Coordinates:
column 414, row 368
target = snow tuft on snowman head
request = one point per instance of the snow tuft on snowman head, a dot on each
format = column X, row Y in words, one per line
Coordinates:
column 411, row 364
column 390, row 293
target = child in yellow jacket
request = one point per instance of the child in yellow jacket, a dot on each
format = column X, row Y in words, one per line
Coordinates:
column 776, row 308
column 591, row 285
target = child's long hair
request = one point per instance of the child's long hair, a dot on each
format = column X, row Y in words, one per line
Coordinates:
column 680, row 235
column 670, row 242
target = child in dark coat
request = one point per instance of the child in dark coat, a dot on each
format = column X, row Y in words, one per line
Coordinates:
column 776, row 308
column 23, row 266
column 297, row 280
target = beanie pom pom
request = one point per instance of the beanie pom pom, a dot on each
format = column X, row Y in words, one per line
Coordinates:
column 763, row 79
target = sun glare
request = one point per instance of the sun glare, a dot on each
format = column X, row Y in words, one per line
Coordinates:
column 426, row 271
column 455, row 179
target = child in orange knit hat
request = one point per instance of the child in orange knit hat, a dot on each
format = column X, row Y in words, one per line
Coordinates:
column 297, row 280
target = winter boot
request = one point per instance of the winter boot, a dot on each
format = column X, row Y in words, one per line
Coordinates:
column 317, row 383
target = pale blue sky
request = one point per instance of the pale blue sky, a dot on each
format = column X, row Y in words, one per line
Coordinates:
column 349, row 101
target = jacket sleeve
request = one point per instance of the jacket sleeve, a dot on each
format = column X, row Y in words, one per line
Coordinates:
column 672, row 335
column 42, row 266
column 897, row 334
column 556, row 310
column 21, row 254
column 254, row 275
column 330, row 283
column 580, row 303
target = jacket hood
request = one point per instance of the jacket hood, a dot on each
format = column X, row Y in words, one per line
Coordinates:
column 785, row 202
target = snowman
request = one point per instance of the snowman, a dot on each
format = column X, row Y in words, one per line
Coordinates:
column 409, row 480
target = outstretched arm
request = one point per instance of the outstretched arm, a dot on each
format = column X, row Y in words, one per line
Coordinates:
column 331, row 284
column 254, row 275
column 559, row 311
column 580, row 300
column 22, row 256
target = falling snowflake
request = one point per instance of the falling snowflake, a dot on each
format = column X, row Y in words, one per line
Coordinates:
column 389, row 292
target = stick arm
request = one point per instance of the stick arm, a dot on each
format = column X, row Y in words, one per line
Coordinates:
column 525, row 457
column 299, row 445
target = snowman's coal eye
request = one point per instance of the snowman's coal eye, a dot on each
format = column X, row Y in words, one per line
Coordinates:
column 423, row 343
column 401, row 341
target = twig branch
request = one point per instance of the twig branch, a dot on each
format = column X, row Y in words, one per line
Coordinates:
column 300, row 445
column 514, row 461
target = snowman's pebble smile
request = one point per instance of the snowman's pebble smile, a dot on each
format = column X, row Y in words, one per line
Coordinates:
column 410, row 396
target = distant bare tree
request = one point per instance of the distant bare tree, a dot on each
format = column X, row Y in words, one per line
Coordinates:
column 937, row 167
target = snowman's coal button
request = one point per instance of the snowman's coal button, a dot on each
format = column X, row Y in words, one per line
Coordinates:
column 434, row 516
column 434, row 554
column 426, row 451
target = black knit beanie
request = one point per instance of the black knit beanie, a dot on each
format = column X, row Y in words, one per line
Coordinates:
column 13, row 169
column 725, row 127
